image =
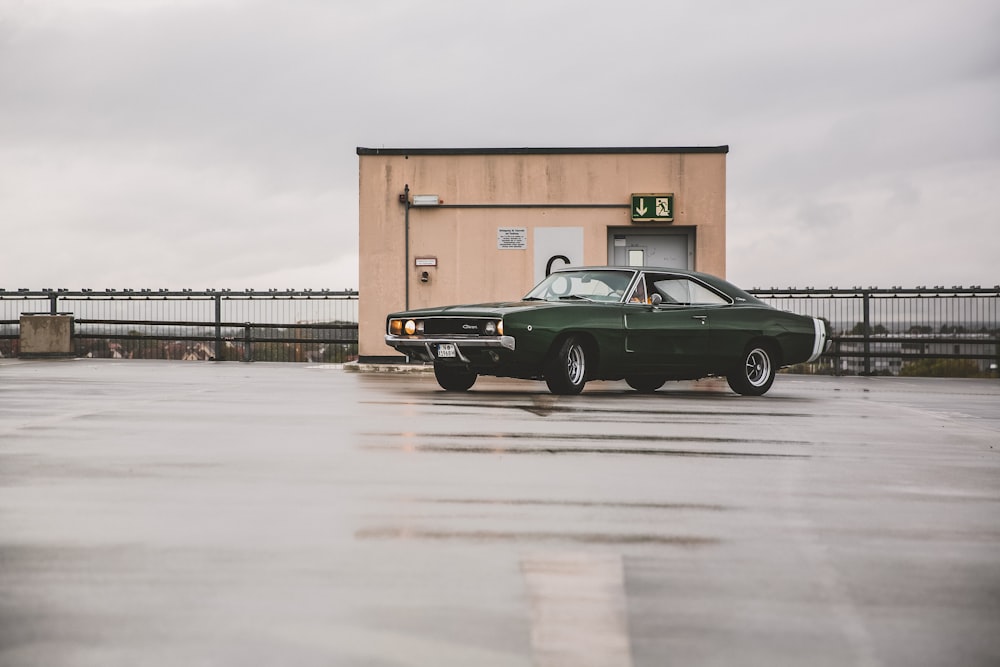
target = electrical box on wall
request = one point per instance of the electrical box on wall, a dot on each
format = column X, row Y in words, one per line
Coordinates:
column 422, row 264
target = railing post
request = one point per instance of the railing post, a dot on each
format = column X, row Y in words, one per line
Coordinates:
column 247, row 342
column 218, row 327
column 53, row 304
column 867, row 332
column 996, row 354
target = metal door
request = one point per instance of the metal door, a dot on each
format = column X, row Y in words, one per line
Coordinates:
column 671, row 249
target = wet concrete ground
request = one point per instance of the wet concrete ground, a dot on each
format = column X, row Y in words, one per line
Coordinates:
column 168, row 513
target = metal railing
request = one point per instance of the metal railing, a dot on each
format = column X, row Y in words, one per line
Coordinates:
column 272, row 325
column 919, row 331
column 922, row 331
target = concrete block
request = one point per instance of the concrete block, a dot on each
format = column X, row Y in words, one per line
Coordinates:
column 46, row 336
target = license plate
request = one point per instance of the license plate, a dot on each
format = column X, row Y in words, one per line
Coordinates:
column 446, row 351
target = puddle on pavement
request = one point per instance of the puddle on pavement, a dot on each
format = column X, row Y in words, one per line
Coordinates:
column 575, row 437
column 409, row 533
column 536, row 451
column 552, row 443
column 573, row 503
column 544, row 406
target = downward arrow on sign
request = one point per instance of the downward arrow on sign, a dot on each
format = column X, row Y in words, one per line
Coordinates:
column 641, row 208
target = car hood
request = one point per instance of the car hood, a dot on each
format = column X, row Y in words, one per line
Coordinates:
column 485, row 309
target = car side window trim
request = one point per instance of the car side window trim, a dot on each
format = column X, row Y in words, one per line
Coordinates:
column 639, row 295
column 670, row 302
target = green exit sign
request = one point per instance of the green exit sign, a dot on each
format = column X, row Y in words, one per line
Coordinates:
column 650, row 207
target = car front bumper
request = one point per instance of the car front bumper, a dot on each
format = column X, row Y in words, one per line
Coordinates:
column 425, row 348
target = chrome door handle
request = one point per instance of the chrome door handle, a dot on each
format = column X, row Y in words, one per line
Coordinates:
column 700, row 318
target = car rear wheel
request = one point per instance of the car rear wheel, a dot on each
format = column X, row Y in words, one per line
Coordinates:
column 645, row 384
column 755, row 374
column 454, row 378
column 566, row 369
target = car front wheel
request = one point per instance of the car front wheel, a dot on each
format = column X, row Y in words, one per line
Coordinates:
column 454, row 378
column 645, row 384
column 755, row 374
column 566, row 369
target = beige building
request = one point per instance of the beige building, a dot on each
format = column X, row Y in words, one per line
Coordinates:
column 451, row 226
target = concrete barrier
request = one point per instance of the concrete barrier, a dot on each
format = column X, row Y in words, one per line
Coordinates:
column 46, row 336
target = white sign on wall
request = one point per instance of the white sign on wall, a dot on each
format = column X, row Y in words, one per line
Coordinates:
column 556, row 247
column 512, row 238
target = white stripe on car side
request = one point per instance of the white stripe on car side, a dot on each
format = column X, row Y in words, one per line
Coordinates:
column 819, row 339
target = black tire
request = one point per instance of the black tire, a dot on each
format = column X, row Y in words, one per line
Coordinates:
column 755, row 373
column 454, row 378
column 645, row 384
column 566, row 368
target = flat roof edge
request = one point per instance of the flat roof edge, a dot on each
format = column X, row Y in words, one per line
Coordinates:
column 543, row 151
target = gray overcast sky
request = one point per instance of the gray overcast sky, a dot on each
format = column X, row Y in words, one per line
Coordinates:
column 211, row 143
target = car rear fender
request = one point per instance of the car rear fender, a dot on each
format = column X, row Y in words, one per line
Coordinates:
column 772, row 346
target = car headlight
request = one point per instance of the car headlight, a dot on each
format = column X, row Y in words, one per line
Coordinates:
column 490, row 329
column 409, row 327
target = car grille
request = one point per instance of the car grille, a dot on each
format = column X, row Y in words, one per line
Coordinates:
column 457, row 326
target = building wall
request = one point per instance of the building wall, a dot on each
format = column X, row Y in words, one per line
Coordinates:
column 484, row 190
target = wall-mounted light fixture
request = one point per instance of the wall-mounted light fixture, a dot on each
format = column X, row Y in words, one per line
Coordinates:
column 426, row 200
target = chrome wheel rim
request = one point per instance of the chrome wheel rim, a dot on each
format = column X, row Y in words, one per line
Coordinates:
column 758, row 368
column 575, row 364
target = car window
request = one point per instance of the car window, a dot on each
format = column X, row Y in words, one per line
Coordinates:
column 593, row 285
column 681, row 290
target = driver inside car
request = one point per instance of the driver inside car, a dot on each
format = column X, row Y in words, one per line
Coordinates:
column 639, row 293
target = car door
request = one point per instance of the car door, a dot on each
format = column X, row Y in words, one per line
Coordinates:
column 666, row 337
column 672, row 331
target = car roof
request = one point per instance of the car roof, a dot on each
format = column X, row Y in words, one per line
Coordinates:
column 715, row 281
column 649, row 269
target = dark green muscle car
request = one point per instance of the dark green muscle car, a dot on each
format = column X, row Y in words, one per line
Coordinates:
column 643, row 325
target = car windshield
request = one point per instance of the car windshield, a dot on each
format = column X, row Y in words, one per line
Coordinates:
column 591, row 285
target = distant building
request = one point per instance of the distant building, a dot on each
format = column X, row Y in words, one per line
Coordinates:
column 447, row 226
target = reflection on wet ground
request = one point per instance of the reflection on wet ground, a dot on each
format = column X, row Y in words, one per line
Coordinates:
column 477, row 443
column 579, row 609
column 410, row 533
column 538, row 451
column 574, row 437
column 515, row 502
column 272, row 514
column 546, row 406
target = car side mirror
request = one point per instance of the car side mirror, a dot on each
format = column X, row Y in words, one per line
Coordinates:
column 656, row 300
